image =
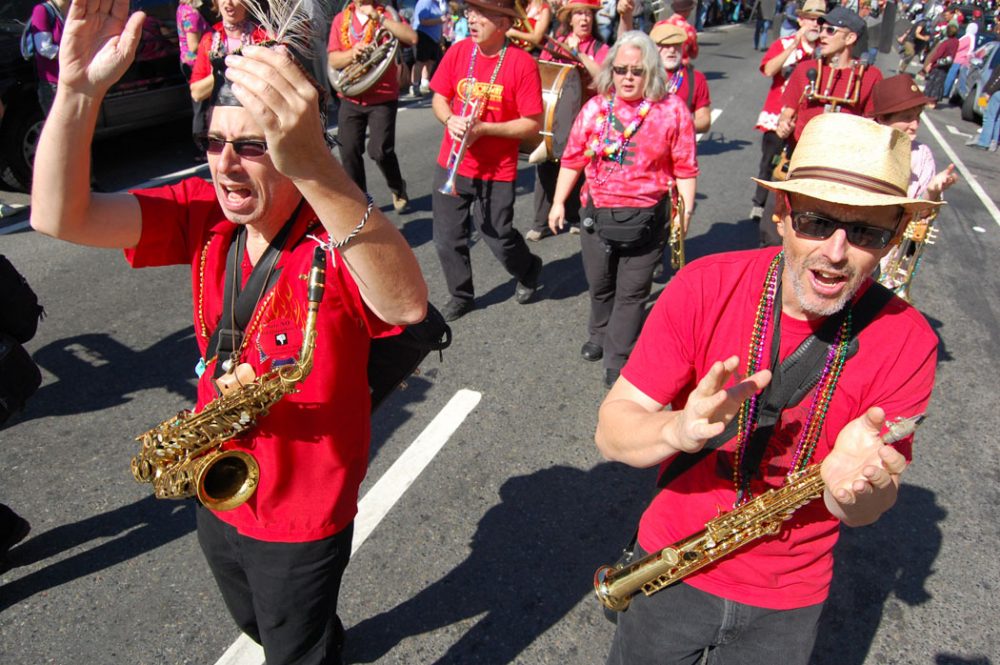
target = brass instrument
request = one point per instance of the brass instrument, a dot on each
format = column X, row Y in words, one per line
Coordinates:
column 902, row 261
column 763, row 516
column 368, row 68
column 676, row 237
column 183, row 456
column 458, row 152
column 852, row 92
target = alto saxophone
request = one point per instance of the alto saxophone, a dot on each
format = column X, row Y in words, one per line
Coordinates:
column 183, row 456
column 902, row 262
column 616, row 585
column 676, row 237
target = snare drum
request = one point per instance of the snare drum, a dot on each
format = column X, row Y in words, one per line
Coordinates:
column 562, row 97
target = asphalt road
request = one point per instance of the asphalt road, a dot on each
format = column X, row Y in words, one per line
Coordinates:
column 488, row 556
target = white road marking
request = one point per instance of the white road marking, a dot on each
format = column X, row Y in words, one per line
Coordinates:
column 978, row 229
column 383, row 495
column 970, row 178
column 954, row 130
column 715, row 116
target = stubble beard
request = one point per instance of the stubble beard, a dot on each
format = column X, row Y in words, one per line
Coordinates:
column 811, row 302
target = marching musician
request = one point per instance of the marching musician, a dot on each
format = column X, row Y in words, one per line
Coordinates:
column 841, row 84
column 636, row 144
column 777, row 64
column 279, row 557
column 352, row 34
column 227, row 36
column 534, row 28
column 683, row 79
column 580, row 47
column 713, row 342
column 483, row 72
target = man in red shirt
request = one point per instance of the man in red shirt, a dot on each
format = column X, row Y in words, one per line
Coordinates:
column 486, row 73
column 741, row 422
column 278, row 557
column 782, row 56
column 353, row 31
column 683, row 79
column 836, row 83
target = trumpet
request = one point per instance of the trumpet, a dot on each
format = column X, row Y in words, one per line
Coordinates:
column 676, row 237
column 900, row 264
column 458, row 152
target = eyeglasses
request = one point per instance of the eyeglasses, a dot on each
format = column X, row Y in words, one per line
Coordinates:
column 813, row 225
column 830, row 30
column 625, row 69
column 244, row 148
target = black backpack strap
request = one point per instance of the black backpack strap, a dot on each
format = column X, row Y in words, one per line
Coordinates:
column 690, row 77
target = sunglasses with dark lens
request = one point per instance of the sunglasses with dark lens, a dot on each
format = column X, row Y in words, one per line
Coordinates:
column 813, row 225
column 244, row 148
column 625, row 69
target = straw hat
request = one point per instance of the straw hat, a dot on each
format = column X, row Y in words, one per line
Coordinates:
column 897, row 93
column 665, row 33
column 850, row 160
column 506, row 7
column 814, row 8
column 569, row 7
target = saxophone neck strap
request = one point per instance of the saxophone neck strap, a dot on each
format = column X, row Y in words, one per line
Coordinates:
column 239, row 303
column 791, row 381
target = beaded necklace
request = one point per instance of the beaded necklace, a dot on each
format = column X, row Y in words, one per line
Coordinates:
column 614, row 150
column 826, row 385
column 367, row 33
column 471, row 76
column 220, row 38
column 675, row 80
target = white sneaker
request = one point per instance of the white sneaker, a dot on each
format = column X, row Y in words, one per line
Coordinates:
column 425, row 88
column 756, row 213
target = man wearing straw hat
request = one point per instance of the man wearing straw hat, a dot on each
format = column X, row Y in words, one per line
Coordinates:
column 501, row 83
column 742, row 421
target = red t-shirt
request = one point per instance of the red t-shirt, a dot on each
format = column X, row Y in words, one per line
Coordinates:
column 516, row 93
column 312, row 447
column 706, row 314
column 809, row 109
column 213, row 42
column 386, row 89
column 663, row 149
column 701, row 98
column 767, row 121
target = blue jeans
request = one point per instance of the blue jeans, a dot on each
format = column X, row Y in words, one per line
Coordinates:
column 991, row 122
column 760, row 34
column 950, row 80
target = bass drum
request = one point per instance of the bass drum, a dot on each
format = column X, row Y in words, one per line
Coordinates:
column 562, row 97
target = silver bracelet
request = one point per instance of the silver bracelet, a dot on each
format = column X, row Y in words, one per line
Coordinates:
column 330, row 244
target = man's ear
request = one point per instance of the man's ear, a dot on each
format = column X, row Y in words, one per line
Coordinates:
column 850, row 38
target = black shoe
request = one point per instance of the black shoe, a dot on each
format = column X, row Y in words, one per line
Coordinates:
column 455, row 309
column 527, row 286
column 591, row 352
column 13, row 529
column 610, row 376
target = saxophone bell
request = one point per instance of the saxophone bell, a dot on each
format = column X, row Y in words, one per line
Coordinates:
column 226, row 479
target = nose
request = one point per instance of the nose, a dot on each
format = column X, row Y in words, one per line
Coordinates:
column 835, row 247
column 228, row 159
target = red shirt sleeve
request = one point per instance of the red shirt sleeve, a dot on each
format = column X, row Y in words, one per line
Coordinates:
column 202, row 67
column 773, row 51
column 796, row 86
column 334, row 44
column 529, row 89
column 701, row 94
column 443, row 81
column 173, row 223
column 872, row 76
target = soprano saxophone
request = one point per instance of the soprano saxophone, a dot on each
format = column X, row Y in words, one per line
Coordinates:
column 183, row 456
column 763, row 516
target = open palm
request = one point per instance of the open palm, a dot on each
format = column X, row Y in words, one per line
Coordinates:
column 98, row 44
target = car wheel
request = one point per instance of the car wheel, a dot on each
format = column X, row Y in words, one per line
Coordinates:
column 18, row 142
column 969, row 105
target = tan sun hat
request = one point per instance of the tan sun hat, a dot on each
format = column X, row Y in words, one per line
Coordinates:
column 850, row 160
column 572, row 5
column 814, row 8
column 665, row 33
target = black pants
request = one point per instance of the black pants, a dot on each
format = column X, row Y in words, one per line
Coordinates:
column 282, row 595
column 619, row 283
column 770, row 147
column 380, row 120
column 546, row 174
column 490, row 204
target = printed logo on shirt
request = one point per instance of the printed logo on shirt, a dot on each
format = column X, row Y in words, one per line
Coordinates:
column 492, row 92
column 280, row 340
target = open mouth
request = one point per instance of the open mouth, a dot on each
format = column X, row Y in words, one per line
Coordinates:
column 235, row 197
column 828, row 282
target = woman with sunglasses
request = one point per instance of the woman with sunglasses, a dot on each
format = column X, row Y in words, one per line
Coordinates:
column 635, row 143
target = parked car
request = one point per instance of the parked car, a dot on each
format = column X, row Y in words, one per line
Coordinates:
column 151, row 92
column 984, row 60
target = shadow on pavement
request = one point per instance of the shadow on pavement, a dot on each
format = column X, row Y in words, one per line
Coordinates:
column 533, row 558
column 875, row 568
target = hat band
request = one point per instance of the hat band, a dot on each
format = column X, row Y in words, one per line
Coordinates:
column 842, row 177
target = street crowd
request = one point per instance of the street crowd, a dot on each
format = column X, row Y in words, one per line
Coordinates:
column 772, row 360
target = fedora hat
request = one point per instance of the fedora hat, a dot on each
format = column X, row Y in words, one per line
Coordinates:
column 815, row 8
column 897, row 93
column 850, row 160
column 505, row 7
column 665, row 33
column 572, row 5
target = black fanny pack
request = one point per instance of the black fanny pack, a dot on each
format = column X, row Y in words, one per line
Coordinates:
column 629, row 228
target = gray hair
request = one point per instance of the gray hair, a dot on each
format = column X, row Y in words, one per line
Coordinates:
column 655, row 78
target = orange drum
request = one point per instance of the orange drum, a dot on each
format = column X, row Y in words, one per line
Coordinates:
column 562, row 97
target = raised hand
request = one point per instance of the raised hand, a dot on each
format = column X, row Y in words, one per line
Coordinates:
column 98, row 44
column 709, row 407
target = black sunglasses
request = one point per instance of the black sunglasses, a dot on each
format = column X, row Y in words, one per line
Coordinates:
column 813, row 225
column 244, row 148
column 625, row 69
